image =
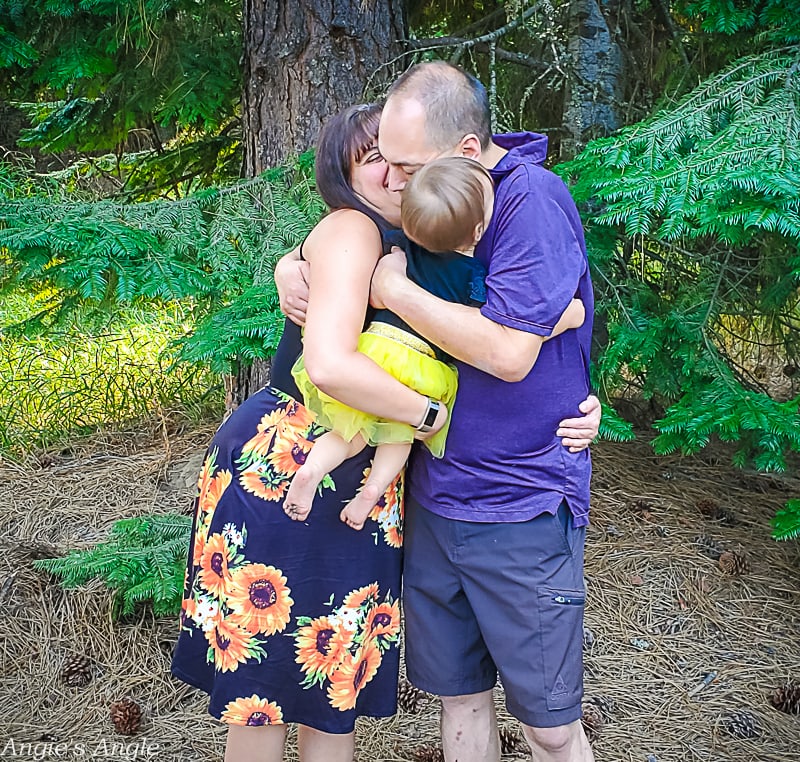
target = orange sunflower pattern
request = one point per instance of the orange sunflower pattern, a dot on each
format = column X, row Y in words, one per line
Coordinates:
column 280, row 446
column 210, row 487
column 388, row 511
column 341, row 652
column 252, row 711
column 234, row 602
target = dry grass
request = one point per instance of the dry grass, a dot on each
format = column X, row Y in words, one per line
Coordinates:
column 647, row 580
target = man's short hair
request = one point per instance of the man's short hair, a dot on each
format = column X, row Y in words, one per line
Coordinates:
column 455, row 102
column 443, row 203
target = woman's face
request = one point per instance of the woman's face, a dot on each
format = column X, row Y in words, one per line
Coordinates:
column 368, row 177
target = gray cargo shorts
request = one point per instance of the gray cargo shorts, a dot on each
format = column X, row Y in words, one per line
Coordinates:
column 508, row 598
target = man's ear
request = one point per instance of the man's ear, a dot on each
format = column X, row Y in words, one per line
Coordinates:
column 470, row 146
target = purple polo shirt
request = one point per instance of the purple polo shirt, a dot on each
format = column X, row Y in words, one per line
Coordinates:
column 503, row 461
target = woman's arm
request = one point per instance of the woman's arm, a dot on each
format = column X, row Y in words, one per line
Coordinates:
column 343, row 250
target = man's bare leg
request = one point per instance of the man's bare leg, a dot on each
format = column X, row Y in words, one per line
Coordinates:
column 255, row 744
column 328, row 452
column 469, row 728
column 317, row 746
column 566, row 743
column 388, row 461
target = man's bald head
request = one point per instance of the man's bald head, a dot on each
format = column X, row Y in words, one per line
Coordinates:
column 455, row 103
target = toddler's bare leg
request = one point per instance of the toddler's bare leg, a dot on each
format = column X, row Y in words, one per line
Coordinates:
column 388, row 461
column 329, row 451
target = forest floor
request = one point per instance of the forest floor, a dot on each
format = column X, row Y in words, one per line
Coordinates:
column 673, row 643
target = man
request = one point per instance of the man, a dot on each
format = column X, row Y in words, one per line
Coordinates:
column 495, row 529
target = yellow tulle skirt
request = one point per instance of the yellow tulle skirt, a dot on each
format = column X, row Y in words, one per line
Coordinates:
column 412, row 362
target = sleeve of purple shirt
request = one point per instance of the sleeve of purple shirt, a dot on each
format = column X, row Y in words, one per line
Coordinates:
column 536, row 260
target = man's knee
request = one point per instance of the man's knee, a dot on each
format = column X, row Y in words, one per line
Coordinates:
column 554, row 741
column 473, row 703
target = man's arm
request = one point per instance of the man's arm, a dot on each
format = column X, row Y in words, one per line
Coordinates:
column 392, row 289
column 291, row 280
column 461, row 331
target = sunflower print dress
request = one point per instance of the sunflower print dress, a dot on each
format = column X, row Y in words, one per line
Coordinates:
column 286, row 621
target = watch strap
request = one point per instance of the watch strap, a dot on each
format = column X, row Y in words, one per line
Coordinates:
column 430, row 416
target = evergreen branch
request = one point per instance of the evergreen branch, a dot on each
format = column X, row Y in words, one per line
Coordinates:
column 786, row 522
column 143, row 560
column 218, row 246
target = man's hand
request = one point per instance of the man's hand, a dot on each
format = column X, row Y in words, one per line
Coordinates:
column 291, row 280
column 390, row 272
column 577, row 433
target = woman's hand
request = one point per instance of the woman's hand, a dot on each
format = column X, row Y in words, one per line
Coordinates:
column 577, row 433
column 291, row 280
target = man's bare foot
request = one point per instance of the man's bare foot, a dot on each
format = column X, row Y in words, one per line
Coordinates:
column 355, row 513
column 300, row 495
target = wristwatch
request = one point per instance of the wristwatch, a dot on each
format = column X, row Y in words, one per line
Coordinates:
column 434, row 406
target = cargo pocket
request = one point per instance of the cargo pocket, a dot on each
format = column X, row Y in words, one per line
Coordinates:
column 561, row 627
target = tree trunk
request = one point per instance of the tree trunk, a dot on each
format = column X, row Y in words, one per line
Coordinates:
column 595, row 88
column 303, row 61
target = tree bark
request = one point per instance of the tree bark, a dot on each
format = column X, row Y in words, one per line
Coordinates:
column 303, row 61
column 594, row 92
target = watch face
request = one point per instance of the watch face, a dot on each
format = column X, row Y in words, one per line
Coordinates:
column 430, row 418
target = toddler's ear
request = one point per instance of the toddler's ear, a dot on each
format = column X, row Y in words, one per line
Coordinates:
column 479, row 231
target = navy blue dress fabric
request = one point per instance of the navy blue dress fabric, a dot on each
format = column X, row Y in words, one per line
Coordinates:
column 286, row 621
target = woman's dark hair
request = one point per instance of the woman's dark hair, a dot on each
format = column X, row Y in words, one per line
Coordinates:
column 345, row 138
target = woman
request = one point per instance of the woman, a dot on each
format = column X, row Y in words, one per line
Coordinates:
column 285, row 621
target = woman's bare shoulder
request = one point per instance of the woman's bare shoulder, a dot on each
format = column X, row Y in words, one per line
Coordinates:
column 344, row 228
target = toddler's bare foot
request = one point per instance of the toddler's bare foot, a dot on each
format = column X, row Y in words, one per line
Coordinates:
column 300, row 495
column 355, row 513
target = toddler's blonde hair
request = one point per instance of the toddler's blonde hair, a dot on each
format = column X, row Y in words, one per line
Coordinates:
column 444, row 202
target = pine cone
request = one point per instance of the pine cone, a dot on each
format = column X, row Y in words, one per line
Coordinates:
column 409, row 697
column 713, row 510
column 740, row 724
column 708, row 546
column 592, row 721
column 709, row 508
column 38, row 550
column 76, row 671
column 126, row 715
column 787, row 698
column 427, row 753
column 733, row 563
column 510, row 740
column 605, row 704
column 641, row 505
